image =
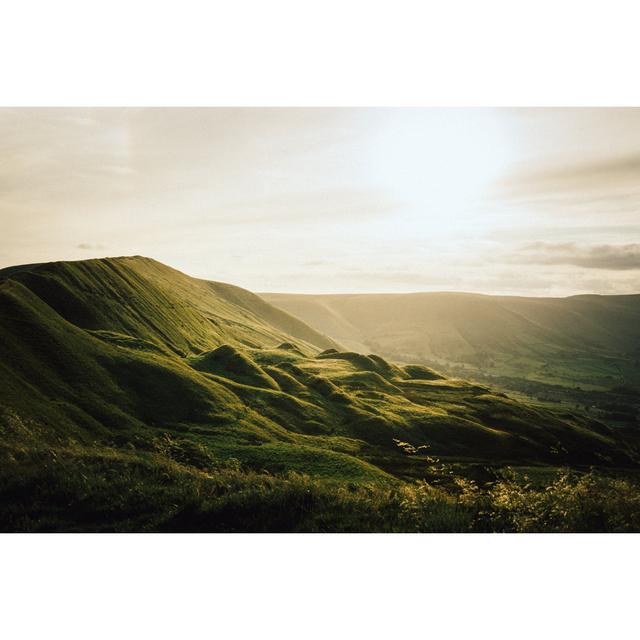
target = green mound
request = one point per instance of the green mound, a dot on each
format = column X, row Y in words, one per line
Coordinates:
column 285, row 380
column 228, row 362
column 289, row 346
column 328, row 389
column 367, row 380
column 387, row 369
column 371, row 362
column 420, row 372
column 266, row 357
column 358, row 360
column 279, row 458
column 291, row 369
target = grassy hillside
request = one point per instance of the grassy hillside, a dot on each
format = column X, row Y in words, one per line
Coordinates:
column 128, row 389
column 582, row 350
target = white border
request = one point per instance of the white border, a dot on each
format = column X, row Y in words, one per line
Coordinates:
column 319, row 586
column 454, row 53
column 335, row 52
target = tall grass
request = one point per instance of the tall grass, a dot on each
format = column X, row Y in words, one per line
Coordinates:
column 171, row 488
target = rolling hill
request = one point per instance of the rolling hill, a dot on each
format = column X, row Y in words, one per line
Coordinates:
column 575, row 349
column 124, row 367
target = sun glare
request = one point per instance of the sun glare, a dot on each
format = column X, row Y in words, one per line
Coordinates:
column 439, row 163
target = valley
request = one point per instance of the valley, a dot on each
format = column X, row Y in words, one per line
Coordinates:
column 577, row 353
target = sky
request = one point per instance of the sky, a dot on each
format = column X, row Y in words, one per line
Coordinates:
column 542, row 202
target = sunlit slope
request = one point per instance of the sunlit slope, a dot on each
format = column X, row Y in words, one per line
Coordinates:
column 118, row 352
column 592, row 340
column 140, row 297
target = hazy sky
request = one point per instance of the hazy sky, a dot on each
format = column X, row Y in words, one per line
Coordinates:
column 527, row 201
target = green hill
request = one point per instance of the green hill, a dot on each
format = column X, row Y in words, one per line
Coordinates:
column 125, row 368
column 579, row 350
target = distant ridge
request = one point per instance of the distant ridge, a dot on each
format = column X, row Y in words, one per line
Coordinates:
column 583, row 339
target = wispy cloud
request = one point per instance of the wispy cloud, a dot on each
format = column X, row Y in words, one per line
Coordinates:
column 607, row 172
column 610, row 257
column 315, row 263
column 87, row 246
column 592, row 188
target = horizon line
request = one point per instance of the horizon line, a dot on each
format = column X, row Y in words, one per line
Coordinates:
column 25, row 266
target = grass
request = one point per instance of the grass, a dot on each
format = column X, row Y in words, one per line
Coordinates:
column 174, row 487
column 575, row 350
column 133, row 398
column 230, row 363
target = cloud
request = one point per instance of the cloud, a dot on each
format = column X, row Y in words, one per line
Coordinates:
column 90, row 247
column 315, row 263
column 607, row 187
column 619, row 169
column 624, row 257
